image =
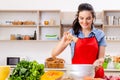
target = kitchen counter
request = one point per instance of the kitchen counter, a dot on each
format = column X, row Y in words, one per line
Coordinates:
column 64, row 69
column 59, row 69
column 109, row 72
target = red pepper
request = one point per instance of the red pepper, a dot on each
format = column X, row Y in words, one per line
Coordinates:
column 99, row 72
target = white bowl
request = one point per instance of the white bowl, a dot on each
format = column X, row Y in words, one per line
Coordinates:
column 81, row 70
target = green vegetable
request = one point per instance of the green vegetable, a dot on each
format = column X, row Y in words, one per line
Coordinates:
column 27, row 70
column 107, row 58
column 51, row 35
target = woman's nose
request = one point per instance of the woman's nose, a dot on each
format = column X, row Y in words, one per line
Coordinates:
column 84, row 21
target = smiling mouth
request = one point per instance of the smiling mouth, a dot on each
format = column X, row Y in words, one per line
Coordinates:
column 85, row 25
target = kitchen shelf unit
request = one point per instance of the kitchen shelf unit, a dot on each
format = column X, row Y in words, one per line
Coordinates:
column 66, row 27
column 50, row 29
column 7, row 17
column 111, row 24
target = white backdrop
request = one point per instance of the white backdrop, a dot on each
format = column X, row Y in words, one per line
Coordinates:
column 63, row 5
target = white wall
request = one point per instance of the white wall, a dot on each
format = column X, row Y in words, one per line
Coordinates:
column 31, row 50
column 63, row 5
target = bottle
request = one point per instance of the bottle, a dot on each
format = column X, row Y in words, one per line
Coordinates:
column 35, row 35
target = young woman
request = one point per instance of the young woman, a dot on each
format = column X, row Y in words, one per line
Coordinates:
column 87, row 42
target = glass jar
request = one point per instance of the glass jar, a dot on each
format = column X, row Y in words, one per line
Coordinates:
column 19, row 37
column 26, row 37
column 12, row 37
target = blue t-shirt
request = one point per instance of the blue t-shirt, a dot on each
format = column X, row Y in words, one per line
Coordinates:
column 99, row 34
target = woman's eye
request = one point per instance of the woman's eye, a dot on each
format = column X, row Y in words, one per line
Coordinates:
column 89, row 18
column 81, row 18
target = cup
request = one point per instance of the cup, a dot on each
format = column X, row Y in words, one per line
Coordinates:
column 119, row 21
column 52, row 21
column 110, row 20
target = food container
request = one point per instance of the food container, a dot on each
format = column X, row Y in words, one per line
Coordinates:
column 54, row 63
column 79, row 71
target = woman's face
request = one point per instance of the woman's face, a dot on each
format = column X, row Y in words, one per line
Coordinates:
column 85, row 19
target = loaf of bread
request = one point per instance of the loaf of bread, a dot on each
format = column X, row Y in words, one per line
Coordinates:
column 54, row 63
column 17, row 23
column 28, row 23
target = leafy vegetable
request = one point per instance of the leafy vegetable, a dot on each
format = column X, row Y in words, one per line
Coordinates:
column 107, row 58
column 27, row 70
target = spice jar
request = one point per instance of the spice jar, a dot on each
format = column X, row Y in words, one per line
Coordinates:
column 26, row 37
column 12, row 37
column 19, row 37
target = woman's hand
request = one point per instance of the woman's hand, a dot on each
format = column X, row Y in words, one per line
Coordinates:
column 99, row 70
column 68, row 37
column 98, row 62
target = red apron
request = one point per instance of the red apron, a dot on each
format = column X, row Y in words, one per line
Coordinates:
column 86, row 51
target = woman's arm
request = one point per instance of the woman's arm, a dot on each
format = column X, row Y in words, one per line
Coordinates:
column 101, row 52
column 59, row 48
column 100, row 59
column 61, row 45
column 65, row 41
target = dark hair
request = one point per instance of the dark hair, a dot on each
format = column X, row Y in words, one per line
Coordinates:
column 84, row 6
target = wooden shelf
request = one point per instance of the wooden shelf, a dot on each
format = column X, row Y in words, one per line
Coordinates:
column 18, row 26
column 111, row 26
column 113, row 40
column 37, row 16
column 29, row 40
column 50, row 26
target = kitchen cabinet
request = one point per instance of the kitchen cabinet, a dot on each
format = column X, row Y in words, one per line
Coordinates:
column 19, row 23
column 111, row 24
column 11, row 22
column 50, row 31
